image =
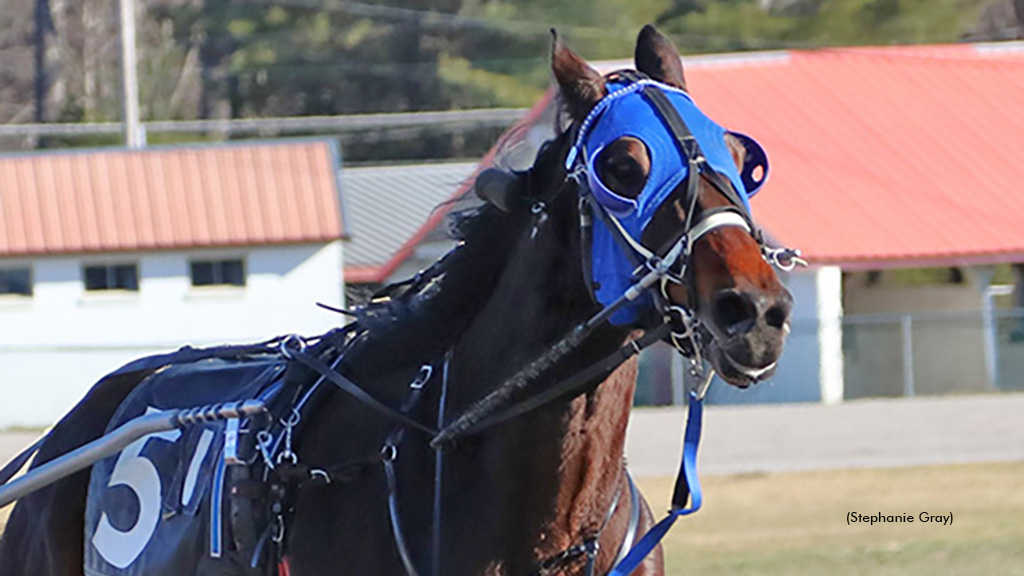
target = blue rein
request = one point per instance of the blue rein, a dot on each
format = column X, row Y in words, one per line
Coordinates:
column 687, row 490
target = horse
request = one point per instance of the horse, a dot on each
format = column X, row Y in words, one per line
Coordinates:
column 543, row 492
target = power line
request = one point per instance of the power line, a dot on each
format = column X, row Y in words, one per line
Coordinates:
column 483, row 117
column 436, row 18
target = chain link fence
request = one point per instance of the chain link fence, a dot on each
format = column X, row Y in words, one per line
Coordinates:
column 884, row 355
column 892, row 356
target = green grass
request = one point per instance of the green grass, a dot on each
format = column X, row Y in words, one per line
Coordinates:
column 794, row 524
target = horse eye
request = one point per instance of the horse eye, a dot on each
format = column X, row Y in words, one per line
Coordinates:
column 623, row 174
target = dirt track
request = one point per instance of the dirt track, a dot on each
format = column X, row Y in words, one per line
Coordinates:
column 12, row 442
column 862, row 434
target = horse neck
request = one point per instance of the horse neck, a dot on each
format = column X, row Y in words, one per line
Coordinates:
column 564, row 462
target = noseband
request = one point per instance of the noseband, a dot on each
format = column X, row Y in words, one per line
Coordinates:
column 649, row 273
column 647, row 276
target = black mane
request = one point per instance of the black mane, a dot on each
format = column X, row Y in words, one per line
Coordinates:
column 439, row 301
column 434, row 306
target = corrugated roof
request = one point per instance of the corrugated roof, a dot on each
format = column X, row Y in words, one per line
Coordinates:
column 386, row 205
column 530, row 123
column 169, row 198
column 883, row 156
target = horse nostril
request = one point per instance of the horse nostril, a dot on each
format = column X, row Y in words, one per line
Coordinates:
column 734, row 312
column 776, row 316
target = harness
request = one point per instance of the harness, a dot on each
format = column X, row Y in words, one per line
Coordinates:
column 628, row 273
column 631, row 279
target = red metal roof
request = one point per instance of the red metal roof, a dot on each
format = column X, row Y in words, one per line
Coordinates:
column 380, row 273
column 880, row 156
column 169, row 198
column 883, row 156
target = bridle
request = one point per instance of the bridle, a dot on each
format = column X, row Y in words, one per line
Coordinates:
column 653, row 273
column 671, row 264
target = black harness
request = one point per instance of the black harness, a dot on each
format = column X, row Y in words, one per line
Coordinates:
column 267, row 470
column 655, row 270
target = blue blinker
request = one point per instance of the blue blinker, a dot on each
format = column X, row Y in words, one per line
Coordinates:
column 626, row 112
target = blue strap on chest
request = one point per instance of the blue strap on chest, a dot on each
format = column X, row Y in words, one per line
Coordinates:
column 687, row 489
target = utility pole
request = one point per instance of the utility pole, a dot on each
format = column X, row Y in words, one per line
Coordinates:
column 134, row 136
column 1018, row 8
column 43, row 27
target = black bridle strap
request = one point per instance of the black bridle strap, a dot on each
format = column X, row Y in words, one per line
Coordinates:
column 353, row 389
column 573, row 385
column 690, row 148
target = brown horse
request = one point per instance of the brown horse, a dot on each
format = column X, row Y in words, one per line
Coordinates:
column 520, row 497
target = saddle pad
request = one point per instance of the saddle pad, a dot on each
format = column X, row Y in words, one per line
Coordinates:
column 150, row 507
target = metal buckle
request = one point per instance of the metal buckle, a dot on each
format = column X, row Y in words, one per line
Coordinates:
column 263, row 441
column 287, row 455
column 426, row 371
column 292, row 342
column 785, row 259
column 231, row 443
column 701, row 390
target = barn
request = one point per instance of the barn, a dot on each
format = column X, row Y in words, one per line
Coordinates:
column 895, row 170
column 107, row 255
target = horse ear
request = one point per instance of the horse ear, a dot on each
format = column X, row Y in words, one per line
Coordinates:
column 499, row 188
column 581, row 85
column 737, row 150
column 657, row 57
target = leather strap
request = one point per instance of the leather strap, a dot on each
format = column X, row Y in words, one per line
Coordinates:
column 575, row 384
column 690, row 148
column 318, row 366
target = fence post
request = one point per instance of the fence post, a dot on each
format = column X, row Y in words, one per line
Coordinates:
column 680, row 377
column 906, row 331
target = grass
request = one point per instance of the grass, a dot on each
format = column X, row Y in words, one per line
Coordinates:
column 794, row 524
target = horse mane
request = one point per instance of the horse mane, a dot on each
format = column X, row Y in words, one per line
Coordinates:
column 434, row 306
column 437, row 298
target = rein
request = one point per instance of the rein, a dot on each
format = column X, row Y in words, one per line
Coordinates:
column 654, row 274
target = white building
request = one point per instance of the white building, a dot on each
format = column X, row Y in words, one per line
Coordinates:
column 387, row 208
column 109, row 255
column 868, row 178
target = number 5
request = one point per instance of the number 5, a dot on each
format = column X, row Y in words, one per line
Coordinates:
column 135, row 471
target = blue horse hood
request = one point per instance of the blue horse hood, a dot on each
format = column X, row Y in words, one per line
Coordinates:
column 627, row 112
column 631, row 114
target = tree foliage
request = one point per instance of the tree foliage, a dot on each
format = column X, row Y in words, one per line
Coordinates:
column 264, row 58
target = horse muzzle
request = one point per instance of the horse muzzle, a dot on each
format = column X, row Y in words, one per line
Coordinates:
column 747, row 333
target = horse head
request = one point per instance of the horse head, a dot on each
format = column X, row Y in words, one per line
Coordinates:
column 667, row 185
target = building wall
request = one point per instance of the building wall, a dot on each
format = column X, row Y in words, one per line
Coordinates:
column 946, row 335
column 54, row 345
column 810, row 369
column 860, row 298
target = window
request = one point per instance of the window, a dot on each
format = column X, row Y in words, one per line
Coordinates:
column 218, row 272
column 112, row 277
column 16, row 281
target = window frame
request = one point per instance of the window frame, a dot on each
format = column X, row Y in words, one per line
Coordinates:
column 28, row 269
column 111, row 280
column 218, row 273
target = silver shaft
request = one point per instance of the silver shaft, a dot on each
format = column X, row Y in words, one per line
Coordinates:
column 115, row 441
